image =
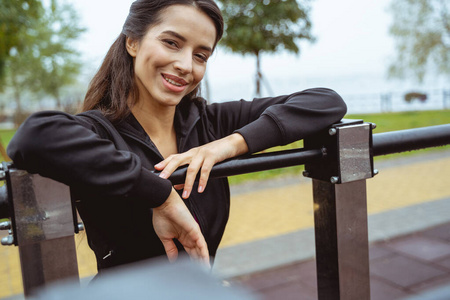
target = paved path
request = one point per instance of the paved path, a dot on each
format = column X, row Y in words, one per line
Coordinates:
column 287, row 206
column 415, row 265
column 271, row 222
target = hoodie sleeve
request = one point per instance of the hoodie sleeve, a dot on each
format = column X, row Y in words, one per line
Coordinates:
column 69, row 149
column 269, row 122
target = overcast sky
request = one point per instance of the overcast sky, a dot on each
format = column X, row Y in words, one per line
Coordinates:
column 352, row 42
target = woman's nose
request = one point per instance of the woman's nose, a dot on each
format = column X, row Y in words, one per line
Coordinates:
column 183, row 64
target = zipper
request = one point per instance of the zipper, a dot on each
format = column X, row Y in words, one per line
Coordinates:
column 196, row 215
column 151, row 146
column 182, row 140
column 110, row 253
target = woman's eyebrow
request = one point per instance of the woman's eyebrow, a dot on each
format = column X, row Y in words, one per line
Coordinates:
column 179, row 36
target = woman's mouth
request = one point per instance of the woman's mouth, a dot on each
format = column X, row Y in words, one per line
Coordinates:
column 174, row 84
column 175, row 81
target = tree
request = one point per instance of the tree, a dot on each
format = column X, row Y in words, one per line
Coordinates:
column 15, row 18
column 422, row 32
column 45, row 62
column 20, row 20
column 20, row 77
column 59, row 61
column 254, row 27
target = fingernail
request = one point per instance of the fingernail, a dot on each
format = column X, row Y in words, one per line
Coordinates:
column 185, row 194
column 200, row 188
column 163, row 175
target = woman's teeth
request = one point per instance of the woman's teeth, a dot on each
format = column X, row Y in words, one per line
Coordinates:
column 172, row 82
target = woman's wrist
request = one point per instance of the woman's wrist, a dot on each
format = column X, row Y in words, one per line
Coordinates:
column 170, row 199
column 238, row 143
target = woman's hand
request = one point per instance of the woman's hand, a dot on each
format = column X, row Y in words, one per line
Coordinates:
column 202, row 159
column 172, row 220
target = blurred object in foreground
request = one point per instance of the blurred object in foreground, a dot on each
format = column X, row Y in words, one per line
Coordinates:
column 154, row 279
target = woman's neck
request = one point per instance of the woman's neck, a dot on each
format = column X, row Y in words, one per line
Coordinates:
column 158, row 123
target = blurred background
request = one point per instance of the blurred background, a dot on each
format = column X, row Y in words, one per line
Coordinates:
column 389, row 59
column 372, row 52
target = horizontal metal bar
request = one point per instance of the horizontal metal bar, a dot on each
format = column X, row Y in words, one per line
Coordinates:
column 256, row 163
column 410, row 139
column 383, row 143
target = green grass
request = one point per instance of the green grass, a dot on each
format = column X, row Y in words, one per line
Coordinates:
column 404, row 120
column 5, row 137
column 385, row 122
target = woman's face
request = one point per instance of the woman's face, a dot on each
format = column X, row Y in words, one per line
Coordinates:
column 170, row 61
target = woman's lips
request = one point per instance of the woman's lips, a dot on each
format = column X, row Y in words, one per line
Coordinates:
column 173, row 83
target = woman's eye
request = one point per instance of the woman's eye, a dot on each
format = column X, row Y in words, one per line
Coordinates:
column 202, row 57
column 171, row 43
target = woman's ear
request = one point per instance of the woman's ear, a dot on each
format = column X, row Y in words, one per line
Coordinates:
column 131, row 46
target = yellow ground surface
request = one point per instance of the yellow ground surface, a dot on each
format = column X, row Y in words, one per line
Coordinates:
column 270, row 212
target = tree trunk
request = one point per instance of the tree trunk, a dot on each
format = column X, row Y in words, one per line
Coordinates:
column 59, row 105
column 258, row 76
column 18, row 115
column 19, row 111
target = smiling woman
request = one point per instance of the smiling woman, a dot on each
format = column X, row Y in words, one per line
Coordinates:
column 169, row 63
column 143, row 113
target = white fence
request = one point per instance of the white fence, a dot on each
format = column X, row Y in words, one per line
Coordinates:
column 395, row 102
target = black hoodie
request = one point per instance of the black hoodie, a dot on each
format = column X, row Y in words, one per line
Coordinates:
column 110, row 167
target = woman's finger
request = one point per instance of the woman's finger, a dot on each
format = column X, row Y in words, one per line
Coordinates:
column 171, row 249
column 204, row 174
column 175, row 162
column 191, row 174
column 172, row 220
column 193, row 253
column 178, row 186
column 162, row 164
column 199, row 252
column 203, row 253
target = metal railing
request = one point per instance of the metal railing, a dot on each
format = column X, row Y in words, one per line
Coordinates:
column 339, row 161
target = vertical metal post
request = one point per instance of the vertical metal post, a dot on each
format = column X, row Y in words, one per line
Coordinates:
column 340, row 210
column 43, row 229
column 340, row 222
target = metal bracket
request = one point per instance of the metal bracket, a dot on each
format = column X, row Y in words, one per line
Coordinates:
column 7, row 206
column 42, row 207
column 348, row 145
column 42, row 225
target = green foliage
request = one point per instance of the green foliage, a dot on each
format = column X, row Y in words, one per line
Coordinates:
column 16, row 17
column 46, row 60
column 422, row 32
column 59, row 61
column 253, row 27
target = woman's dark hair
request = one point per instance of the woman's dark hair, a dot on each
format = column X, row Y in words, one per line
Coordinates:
column 113, row 85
